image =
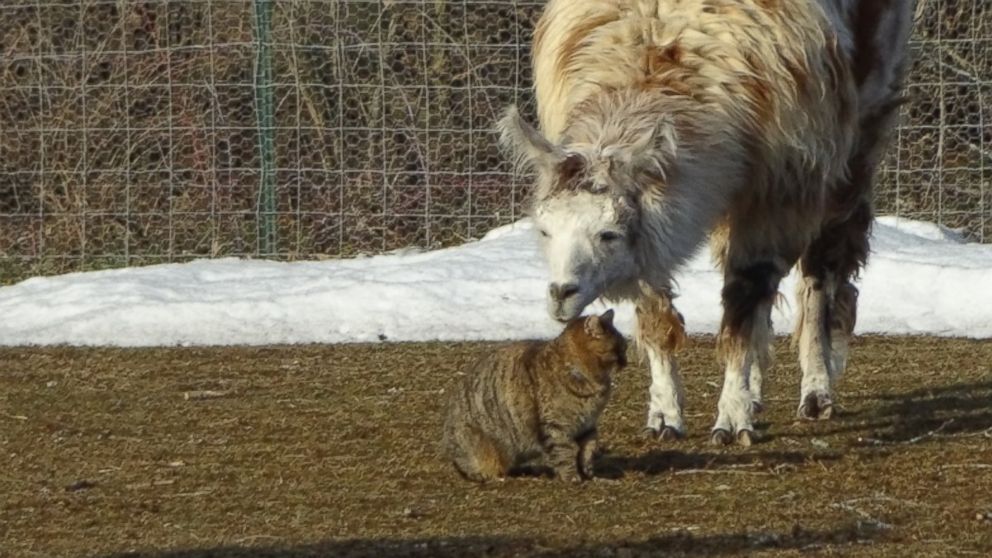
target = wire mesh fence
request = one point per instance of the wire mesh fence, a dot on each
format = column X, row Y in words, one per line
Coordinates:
column 135, row 132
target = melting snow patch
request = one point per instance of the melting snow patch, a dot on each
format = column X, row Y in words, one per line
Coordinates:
column 921, row 278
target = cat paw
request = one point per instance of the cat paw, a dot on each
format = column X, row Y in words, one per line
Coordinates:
column 586, row 472
column 569, row 476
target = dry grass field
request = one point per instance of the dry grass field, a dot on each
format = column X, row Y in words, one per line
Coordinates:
column 331, row 451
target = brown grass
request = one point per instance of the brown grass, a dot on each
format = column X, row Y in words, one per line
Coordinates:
column 331, row 451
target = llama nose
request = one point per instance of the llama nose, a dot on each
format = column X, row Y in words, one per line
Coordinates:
column 561, row 292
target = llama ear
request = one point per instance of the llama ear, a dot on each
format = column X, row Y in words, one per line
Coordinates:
column 526, row 144
column 606, row 318
column 568, row 168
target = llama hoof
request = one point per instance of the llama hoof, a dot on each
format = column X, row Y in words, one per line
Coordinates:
column 721, row 437
column 670, row 434
column 826, row 411
column 746, row 438
column 816, row 406
column 666, row 434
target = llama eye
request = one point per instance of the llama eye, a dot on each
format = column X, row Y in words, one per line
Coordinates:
column 608, row 236
column 545, row 234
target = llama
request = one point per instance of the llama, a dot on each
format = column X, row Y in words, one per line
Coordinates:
column 754, row 124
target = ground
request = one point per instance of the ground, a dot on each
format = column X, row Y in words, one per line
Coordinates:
column 332, row 450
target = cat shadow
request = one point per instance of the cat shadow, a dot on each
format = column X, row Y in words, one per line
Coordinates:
column 532, row 470
column 655, row 462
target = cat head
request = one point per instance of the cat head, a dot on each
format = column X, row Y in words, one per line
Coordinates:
column 593, row 342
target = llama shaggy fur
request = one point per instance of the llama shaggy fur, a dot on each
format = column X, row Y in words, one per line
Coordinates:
column 755, row 124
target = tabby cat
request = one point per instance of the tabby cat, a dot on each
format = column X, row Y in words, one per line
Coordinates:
column 535, row 399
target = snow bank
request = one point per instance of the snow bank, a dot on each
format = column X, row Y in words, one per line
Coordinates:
column 921, row 279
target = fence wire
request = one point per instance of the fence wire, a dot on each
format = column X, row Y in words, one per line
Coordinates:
column 136, row 132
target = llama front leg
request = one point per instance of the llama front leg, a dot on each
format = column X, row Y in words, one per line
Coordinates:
column 745, row 345
column 660, row 332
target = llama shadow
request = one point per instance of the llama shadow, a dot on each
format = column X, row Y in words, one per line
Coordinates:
column 958, row 409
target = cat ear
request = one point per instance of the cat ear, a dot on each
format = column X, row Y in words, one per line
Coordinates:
column 593, row 326
column 606, row 318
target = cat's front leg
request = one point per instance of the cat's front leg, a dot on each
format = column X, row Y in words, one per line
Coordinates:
column 562, row 453
column 587, row 449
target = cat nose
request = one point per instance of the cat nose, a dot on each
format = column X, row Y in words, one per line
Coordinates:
column 562, row 292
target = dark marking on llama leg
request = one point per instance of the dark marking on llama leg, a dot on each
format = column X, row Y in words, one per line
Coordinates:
column 743, row 291
column 745, row 336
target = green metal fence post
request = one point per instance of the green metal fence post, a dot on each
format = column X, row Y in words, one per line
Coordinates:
column 267, row 230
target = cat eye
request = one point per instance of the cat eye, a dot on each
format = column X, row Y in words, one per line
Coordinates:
column 609, row 236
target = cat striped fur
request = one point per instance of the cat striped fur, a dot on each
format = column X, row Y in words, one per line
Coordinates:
column 534, row 401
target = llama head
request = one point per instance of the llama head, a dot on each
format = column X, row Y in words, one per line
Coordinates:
column 586, row 205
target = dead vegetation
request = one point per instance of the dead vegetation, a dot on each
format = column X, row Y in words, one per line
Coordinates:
column 332, row 451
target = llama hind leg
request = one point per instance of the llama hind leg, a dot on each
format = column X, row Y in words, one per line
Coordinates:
column 745, row 345
column 761, row 365
column 843, row 316
column 660, row 332
column 814, row 342
column 828, row 312
column 828, row 309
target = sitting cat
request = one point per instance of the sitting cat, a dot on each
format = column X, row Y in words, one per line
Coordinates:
column 533, row 399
